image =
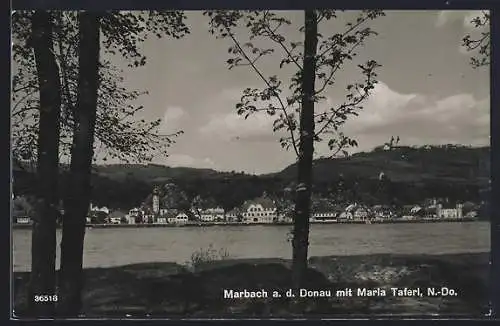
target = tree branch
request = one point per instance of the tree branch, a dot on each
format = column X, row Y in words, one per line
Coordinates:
column 337, row 111
column 272, row 35
column 337, row 67
column 267, row 83
column 353, row 27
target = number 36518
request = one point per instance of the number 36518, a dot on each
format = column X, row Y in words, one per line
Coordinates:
column 46, row 298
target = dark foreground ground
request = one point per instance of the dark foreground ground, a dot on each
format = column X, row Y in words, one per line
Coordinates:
column 171, row 290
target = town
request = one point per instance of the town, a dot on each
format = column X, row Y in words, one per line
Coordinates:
column 264, row 210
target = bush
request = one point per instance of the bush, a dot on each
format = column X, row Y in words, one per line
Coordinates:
column 203, row 256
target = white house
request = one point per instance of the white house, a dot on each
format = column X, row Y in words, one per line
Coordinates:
column 449, row 212
column 103, row 209
column 260, row 210
column 361, row 213
column 162, row 220
column 130, row 219
column 23, row 220
column 134, row 212
column 177, row 218
column 147, row 217
column 348, row 212
column 116, row 217
column 285, row 218
column 415, row 209
column 326, row 215
column 232, row 215
column 212, row 214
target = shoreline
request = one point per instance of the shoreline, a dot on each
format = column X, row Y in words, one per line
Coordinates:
column 203, row 224
column 172, row 290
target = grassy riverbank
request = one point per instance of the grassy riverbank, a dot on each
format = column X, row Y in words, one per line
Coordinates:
column 168, row 289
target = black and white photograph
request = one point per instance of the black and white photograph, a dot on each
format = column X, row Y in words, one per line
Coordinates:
column 235, row 164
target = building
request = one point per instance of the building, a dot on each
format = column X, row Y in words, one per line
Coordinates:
column 22, row 220
column 323, row 215
column 162, row 220
column 148, row 218
column 346, row 215
column 179, row 218
column 131, row 219
column 233, row 215
column 116, row 217
column 164, row 211
column 448, row 211
column 260, row 210
column 103, row 209
column 285, row 218
column 416, row 210
column 212, row 214
column 182, row 218
column 361, row 213
column 156, row 200
column 348, row 212
column 135, row 214
column 382, row 212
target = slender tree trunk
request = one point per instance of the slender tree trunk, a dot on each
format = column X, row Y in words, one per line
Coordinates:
column 43, row 247
column 306, row 149
column 78, row 197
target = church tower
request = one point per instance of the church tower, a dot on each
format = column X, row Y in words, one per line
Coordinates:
column 156, row 200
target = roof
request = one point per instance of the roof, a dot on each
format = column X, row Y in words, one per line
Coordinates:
column 170, row 214
column 448, row 206
column 430, row 209
column 119, row 214
column 350, row 207
column 266, row 203
column 234, row 211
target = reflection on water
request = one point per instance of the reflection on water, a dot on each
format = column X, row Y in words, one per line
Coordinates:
column 112, row 247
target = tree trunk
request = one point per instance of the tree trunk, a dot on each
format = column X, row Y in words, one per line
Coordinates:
column 43, row 247
column 78, row 198
column 306, row 148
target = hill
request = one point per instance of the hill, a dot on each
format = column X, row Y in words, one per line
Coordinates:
column 406, row 164
column 410, row 175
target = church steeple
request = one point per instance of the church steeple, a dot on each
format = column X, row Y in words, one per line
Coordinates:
column 156, row 200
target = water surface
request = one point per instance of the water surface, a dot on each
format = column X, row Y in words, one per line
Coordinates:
column 121, row 246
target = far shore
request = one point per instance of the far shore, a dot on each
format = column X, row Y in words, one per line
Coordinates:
column 203, row 224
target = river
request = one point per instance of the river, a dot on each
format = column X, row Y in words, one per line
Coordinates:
column 121, row 246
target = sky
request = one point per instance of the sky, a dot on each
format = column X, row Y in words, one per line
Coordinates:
column 427, row 92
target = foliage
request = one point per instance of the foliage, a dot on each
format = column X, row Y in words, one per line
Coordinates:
column 480, row 44
column 334, row 51
column 116, row 131
column 204, row 256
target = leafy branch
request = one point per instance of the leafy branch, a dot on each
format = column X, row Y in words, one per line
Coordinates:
column 481, row 44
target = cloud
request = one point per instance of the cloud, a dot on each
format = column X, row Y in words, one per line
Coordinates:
column 257, row 127
column 184, row 160
column 171, row 118
column 420, row 119
column 466, row 16
column 227, row 124
column 232, row 125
